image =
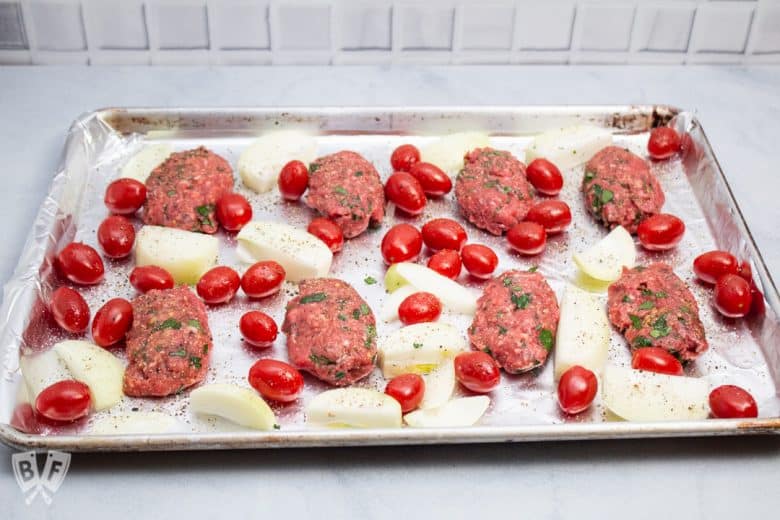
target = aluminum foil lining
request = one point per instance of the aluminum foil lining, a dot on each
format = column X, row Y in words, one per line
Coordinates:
column 742, row 352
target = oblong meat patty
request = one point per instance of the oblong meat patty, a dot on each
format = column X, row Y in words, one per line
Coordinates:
column 169, row 344
column 346, row 188
column 620, row 190
column 516, row 320
column 652, row 306
column 331, row 331
column 492, row 190
column 183, row 191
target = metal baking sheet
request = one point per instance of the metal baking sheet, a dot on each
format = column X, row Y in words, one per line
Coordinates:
column 523, row 408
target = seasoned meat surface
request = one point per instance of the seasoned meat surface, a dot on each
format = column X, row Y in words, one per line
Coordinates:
column 331, row 331
column 492, row 190
column 516, row 320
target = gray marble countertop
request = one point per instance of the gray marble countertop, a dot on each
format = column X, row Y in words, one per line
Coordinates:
column 739, row 109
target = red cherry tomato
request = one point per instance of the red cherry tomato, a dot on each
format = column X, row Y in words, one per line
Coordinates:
column 660, row 232
column 147, row 277
column 70, row 310
column 544, row 176
column 263, row 279
column 327, row 231
column 64, row 401
column 233, row 211
column 732, row 402
column 276, row 380
column 434, row 181
column 576, row 389
column 480, row 261
column 528, row 238
column 112, row 321
column 404, row 157
column 554, row 215
column 477, row 371
column 80, row 264
column 293, row 180
column 757, row 306
column 408, row 390
column 218, row 285
column 116, row 236
column 712, row 265
column 745, row 271
column 258, row 329
column 732, row 296
column 406, row 192
column 664, row 142
column 401, row 243
column 447, row 263
column 443, row 233
column 656, row 359
column 125, row 196
column 418, row 308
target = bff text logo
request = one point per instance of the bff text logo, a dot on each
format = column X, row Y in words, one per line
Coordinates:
column 44, row 483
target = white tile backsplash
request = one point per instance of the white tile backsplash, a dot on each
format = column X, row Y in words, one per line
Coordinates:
column 180, row 57
column 544, row 25
column 15, row 57
column 243, row 57
column 543, row 57
column 722, row 27
column 766, row 28
column 58, row 25
column 239, row 24
column 605, row 27
column 12, row 34
column 483, row 58
column 487, row 26
column 181, row 25
column 120, row 57
column 363, row 57
column 341, row 32
column 303, row 26
column 663, row 28
column 426, row 26
column 62, row 58
column 116, row 24
column 364, row 26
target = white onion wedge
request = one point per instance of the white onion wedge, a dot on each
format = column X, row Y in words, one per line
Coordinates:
column 419, row 348
column 447, row 153
column 97, row 368
column 300, row 253
column 439, row 385
column 260, row 164
column 583, row 332
column 354, row 408
column 605, row 259
column 389, row 310
column 453, row 296
column 184, row 254
column 568, row 147
column 587, row 283
column 465, row 411
column 136, row 423
column 22, row 395
column 235, row 403
column 636, row 395
column 141, row 164
column 393, row 281
column 40, row 371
